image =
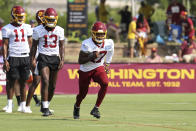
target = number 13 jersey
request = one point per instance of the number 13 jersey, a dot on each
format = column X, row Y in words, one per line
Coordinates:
column 48, row 40
column 18, row 39
column 106, row 50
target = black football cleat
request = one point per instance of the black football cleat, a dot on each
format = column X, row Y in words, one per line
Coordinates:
column 38, row 103
column 50, row 113
column 42, row 110
column 76, row 112
column 95, row 112
column 46, row 112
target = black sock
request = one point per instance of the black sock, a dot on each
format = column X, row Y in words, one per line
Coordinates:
column 41, row 109
column 36, row 99
column 18, row 100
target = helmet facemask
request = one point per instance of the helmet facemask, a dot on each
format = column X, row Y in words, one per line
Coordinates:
column 19, row 18
column 99, row 36
column 99, row 32
column 18, row 15
column 51, row 21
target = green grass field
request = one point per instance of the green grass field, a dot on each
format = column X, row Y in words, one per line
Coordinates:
column 133, row 112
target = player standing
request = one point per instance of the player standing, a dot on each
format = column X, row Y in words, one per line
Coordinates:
column 91, row 59
column 50, row 42
column 17, row 39
column 36, row 76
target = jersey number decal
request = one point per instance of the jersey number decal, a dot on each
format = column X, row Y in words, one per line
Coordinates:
column 103, row 53
column 51, row 45
column 16, row 35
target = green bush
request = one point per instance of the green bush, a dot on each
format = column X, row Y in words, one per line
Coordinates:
column 91, row 20
column 159, row 15
column 5, row 9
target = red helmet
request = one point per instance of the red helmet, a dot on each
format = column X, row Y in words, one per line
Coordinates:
column 99, row 32
column 40, row 16
column 50, row 17
column 18, row 15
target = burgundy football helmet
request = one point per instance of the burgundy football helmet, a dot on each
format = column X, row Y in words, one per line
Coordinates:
column 50, row 17
column 40, row 16
column 18, row 15
column 99, row 32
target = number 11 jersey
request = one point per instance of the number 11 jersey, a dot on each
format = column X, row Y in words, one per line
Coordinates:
column 18, row 39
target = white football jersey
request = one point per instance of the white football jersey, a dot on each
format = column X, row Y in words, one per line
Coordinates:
column 48, row 40
column 18, row 39
column 0, row 34
column 106, row 50
column 36, row 28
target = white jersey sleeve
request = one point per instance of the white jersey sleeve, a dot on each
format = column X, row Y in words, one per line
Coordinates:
column 110, row 51
column 1, row 34
column 29, row 30
column 35, row 35
column 61, row 34
column 5, row 32
column 84, row 47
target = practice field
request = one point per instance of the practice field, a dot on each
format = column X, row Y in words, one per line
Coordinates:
column 134, row 112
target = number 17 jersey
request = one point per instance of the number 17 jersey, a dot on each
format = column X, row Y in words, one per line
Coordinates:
column 105, row 49
column 48, row 40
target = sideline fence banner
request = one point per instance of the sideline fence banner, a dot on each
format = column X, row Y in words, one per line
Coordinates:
column 130, row 78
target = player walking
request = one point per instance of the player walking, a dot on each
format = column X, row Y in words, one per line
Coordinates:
column 36, row 75
column 50, row 42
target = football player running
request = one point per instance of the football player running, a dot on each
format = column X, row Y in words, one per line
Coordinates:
column 50, row 42
column 36, row 76
column 17, row 41
column 91, row 59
